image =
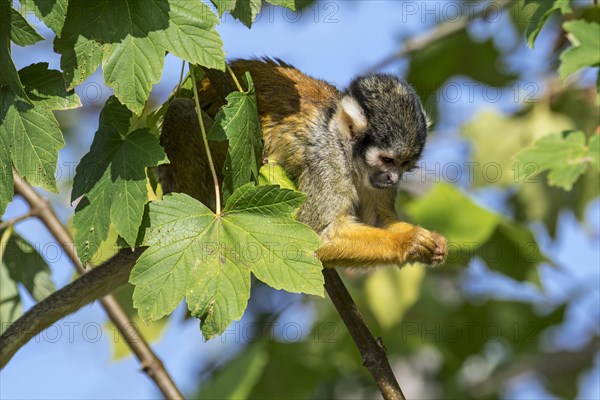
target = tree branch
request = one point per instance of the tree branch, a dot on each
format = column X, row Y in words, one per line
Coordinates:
column 373, row 352
column 438, row 33
column 74, row 296
column 42, row 315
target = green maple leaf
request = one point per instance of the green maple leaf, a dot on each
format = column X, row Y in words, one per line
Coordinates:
column 130, row 40
column 544, row 9
column 238, row 122
column 246, row 11
column 566, row 157
column 21, row 265
column 21, row 33
column 208, row 258
column 30, row 136
column 30, row 133
column 585, row 51
column 51, row 12
column 112, row 177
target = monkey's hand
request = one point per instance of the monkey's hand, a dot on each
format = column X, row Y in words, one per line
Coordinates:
column 419, row 244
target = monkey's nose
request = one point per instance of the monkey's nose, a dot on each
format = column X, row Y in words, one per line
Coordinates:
column 390, row 178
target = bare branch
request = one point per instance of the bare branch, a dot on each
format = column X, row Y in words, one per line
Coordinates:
column 113, row 274
column 372, row 350
column 436, row 34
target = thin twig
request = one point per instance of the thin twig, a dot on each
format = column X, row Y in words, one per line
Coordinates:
column 374, row 357
column 16, row 220
column 440, row 32
column 180, row 79
column 211, row 164
column 151, row 364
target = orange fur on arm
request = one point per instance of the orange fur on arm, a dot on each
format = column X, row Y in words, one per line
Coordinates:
column 359, row 245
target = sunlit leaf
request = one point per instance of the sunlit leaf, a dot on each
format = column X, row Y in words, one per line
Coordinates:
column 33, row 138
column 10, row 301
column 208, row 258
column 494, row 160
column 244, row 10
column 21, row 32
column 585, row 37
column 51, row 12
column 392, row 291
column 130, row 40
column 6, row 176
column 446, row 210
column 565, row 156
column 273, row 174
column 238, row 122
column 473, row 231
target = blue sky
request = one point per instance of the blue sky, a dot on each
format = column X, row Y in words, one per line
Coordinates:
column 333, row 41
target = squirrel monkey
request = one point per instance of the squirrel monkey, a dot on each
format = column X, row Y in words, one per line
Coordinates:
column 345, row 150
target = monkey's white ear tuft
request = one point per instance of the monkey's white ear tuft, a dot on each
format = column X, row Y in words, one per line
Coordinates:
column 428, row 121
column 351, row 118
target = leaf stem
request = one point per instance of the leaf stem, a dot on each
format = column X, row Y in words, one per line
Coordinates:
column 211, row 164
column 180, row 79
column 237, row 83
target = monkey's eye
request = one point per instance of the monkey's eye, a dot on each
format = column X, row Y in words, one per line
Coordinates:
column 387, row 160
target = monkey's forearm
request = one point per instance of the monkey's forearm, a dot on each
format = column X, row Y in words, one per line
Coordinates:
column 355, row 244
column 91, row 286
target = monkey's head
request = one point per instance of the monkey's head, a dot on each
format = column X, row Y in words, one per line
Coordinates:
column 384, row 120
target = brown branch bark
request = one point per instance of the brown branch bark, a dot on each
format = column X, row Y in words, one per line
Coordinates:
column 19, row 333
column 373, row 352
column 113, row 274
